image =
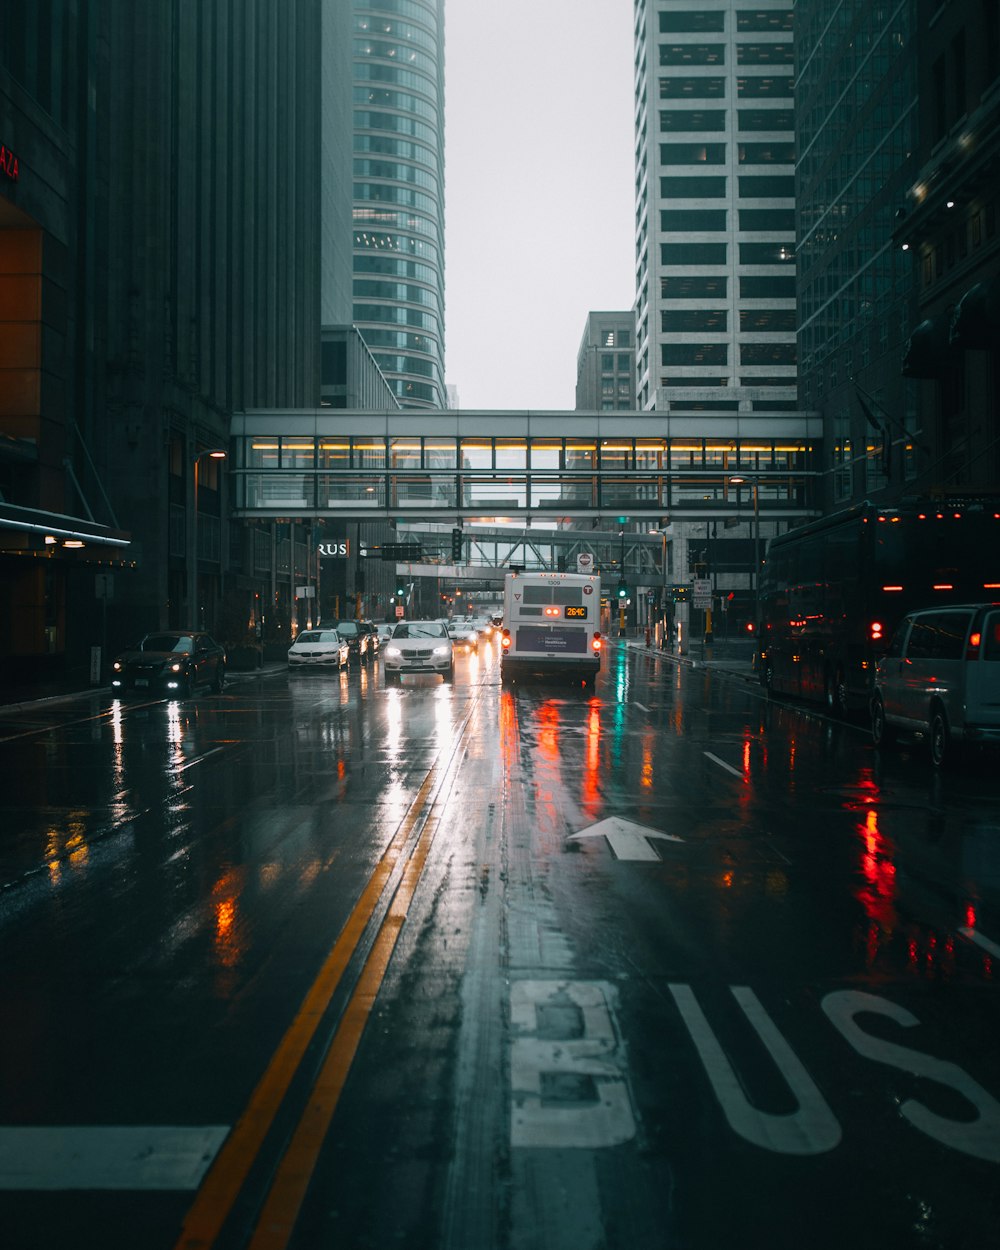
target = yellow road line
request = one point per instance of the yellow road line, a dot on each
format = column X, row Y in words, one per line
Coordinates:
column 277, row 1220
column 217, row 1195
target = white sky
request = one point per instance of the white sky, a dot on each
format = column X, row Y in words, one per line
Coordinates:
column 539, row 191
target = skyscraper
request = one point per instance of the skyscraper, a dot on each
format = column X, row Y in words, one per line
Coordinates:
column 399, row 193
column 715, row 209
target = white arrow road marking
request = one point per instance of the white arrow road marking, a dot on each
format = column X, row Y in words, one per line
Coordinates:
column 722, row 764
column 124, row 1157
column 981, row 940
column 627, row 840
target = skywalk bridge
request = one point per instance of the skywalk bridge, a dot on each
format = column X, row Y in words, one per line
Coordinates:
column 499, row 467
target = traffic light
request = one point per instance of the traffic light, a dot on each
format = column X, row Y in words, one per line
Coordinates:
column 622, row 592
column 400, row 592
column 456, row 545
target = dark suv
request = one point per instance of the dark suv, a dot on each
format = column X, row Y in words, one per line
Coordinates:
column 357, row 640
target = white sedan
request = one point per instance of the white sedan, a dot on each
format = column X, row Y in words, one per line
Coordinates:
column 418, row 647
column 463, row 636
column 323, row 648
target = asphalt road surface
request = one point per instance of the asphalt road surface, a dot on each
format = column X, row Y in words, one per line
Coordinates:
column 320, row 963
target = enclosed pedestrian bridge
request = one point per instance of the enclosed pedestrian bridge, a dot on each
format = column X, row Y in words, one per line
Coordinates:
column 496, row 466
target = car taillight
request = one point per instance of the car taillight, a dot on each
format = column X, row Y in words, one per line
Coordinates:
column 972, row 650
column 596, row 642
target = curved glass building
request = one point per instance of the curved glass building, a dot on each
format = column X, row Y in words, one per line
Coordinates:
column 398, row 197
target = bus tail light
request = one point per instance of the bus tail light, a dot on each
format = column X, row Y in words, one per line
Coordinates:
column 596, row 642
column 876, row 631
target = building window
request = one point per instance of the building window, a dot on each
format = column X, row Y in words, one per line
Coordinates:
column 767, row 253
column 690, row 286
column 774, row 153
column 692, row 54
column 765, row 119
column 766, row 187
column 767, row 288
column 767, row 354
column 692, row 119
column 694, row 321
column 759, row 87
column 679, row 220
column 691, row 22
column 692, row 253
column 674, row 88
column 757, row 219
column 754, row 20
column 694, row 353
column 692, row 153
column 695, row 188
column 765, row 53
column 768, row 320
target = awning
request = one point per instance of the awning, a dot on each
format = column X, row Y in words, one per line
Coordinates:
column 24, row 530
column 975, row 323
column 929, row 353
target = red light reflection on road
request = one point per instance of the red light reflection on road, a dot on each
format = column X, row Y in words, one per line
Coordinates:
column 592, row 758
column 877, row 893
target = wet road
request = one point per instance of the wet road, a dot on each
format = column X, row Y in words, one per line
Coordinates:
column 320, row 963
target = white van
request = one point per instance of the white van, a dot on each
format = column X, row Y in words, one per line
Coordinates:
column 940, row 679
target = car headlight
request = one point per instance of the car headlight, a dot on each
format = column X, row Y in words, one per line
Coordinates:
column 393, row 651
column 441, row 650
column 177, row 666
column 118, row 666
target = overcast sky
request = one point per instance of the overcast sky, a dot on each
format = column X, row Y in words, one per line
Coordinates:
column 539, row 191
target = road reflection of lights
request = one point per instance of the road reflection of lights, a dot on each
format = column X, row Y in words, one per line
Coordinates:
column 548, row 734
column 444, row 725
column 646, row 774
column 393, row 723
column 592, row 758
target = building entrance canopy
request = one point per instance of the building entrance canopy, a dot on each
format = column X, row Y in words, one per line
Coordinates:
column 495, row 465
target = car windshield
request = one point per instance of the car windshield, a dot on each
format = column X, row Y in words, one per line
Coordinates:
column 318, row 635
column 420, row 629
column 347, row 629
column 167, row 642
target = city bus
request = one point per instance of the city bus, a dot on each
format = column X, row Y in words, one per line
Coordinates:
column 832, row 591
column 551, row 626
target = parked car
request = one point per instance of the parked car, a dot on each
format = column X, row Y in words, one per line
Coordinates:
column 367, row 627
column 940, row 679
column 171, row 663
column 318, row 648
column 356, row 639
column 463, row 636
column 419, row 647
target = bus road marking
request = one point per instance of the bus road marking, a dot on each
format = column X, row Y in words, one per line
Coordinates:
column 728, row 767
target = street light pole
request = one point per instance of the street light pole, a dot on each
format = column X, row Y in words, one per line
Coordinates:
column 214, row 453
column 754, row 483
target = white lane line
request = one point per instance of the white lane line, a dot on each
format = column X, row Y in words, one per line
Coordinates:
column 198, row 759
column 643, row 706
column 980, row 940
column 722, row 764
column 124, row 1157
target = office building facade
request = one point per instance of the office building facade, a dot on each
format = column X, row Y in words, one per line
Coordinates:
column 398, row 193
column 605, row 363
column 715, row 207
column 159, row 272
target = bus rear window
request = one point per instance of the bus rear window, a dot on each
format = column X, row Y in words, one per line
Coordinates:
column 565, row 595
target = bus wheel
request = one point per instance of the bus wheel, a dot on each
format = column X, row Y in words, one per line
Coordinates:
column 836, row 695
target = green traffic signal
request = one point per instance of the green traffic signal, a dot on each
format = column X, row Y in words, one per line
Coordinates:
column 622, row 591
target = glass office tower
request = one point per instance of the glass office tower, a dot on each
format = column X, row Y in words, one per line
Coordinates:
column 398, row 197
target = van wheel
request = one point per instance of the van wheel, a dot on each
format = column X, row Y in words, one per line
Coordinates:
column 882, row 734
column 942, row 750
